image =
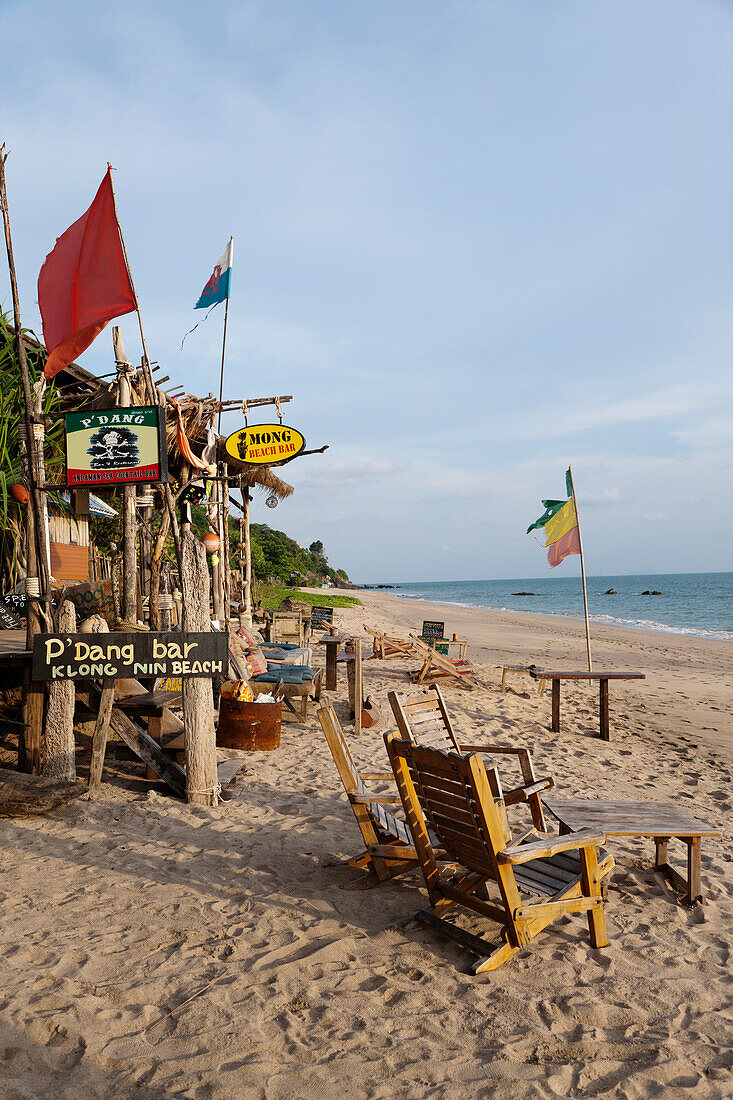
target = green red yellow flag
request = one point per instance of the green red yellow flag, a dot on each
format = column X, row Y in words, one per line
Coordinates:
column 560, row 525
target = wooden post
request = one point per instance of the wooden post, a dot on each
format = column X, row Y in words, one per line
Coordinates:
column 358, row 687
column 101, row 733
column 59, row 758
column 226, row 564
column 38, row 571
column 555, row 706
column 582, row 573
column 603, row 711
column 129, row 515
column 246, row 498
column 198, row 697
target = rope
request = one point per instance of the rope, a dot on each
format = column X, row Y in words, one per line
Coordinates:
column 244, row 410
column 279, row 410
column 215, row 790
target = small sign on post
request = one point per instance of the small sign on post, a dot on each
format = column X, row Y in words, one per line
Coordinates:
column 265, row 444
column 130, row 655
column 116, row 446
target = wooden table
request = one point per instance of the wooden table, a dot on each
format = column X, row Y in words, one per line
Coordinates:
column 333, row 643
column 602, row 677
column 660, row 820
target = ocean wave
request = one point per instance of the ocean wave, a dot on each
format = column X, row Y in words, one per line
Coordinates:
column 611, row 620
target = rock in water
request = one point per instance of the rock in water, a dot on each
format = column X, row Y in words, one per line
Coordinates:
column 611, row 592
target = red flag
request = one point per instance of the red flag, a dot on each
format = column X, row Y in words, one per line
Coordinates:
column 84, row 282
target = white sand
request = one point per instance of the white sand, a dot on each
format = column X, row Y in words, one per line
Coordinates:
column 117, row 911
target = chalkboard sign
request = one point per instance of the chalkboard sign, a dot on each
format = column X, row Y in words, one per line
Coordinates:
column 433, row 629
column 8, row 619
column 321, row 615
column 13, row 611
column 128, row 655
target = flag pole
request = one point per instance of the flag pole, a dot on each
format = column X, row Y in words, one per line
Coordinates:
column 223, row 351
column 582, row 572
column 148, row 375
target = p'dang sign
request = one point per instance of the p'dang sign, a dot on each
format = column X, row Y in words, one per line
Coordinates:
column 116, row 446
column 128, row 655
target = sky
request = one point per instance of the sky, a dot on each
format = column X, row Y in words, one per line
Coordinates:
column 476, row 241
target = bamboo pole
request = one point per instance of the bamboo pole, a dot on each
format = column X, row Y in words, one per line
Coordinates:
column 153, row 396
column 582, row 573
column 223, row 352
column 246, row 498
column 38, row 573
column 129, row 493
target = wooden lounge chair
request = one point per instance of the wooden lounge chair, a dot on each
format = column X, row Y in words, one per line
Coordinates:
column 384, row 647
column 422, row 718
column 463, row 805
column 389, row 847
column 436, row 666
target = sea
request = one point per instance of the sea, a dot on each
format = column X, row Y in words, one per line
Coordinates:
column 700, row 604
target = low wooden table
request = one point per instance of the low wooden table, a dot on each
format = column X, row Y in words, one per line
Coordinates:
column 521, row 670
column 660, row 820
column 602, row 677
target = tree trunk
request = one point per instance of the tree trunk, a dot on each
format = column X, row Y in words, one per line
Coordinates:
column 59, row 759
column 198, row 697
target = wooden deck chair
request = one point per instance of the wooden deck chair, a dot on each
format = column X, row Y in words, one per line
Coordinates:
column 436, row 666
column 389, row 847
column 384, row 647
column 462, row 804
column 422, row 718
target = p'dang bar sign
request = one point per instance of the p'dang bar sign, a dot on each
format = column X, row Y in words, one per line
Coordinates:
column 128, row 655
column 116, row 446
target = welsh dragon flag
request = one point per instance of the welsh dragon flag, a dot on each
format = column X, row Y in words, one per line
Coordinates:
column 217, row 288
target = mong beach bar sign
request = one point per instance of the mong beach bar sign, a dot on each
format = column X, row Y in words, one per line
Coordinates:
column 116, row 446
column 124, row 655
column 265, row 444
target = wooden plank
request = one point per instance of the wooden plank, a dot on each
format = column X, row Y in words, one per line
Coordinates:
column 555, row 706
column 543, row 673
column 466, row 939
column 101, row 732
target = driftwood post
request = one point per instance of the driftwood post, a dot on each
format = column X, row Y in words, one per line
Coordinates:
column 129, row 516
column 38, row 566
column 198, row 696
column 246, row 498
column 59, row 760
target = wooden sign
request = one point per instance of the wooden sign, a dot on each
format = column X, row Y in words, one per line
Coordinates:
column 265, row 444
column 93, row 598
column 321, row 615
column 116, row 446
column 433, row 629
column 128, row 655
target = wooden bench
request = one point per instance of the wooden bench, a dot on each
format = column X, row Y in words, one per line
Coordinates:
column 291, row 693
column 521, row 670
column 602, row 677
column 660, row 820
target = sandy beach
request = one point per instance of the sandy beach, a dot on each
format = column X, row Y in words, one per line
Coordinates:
column 153, row 950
